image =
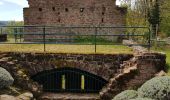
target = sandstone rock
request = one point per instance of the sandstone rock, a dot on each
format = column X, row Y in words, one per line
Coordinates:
column 20, row 72
column 5, row 78
column 161, row 73
column 25, row 96
column 7, row 97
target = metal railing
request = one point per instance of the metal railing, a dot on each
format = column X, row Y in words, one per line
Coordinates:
column 69, row 80
column 75, row 35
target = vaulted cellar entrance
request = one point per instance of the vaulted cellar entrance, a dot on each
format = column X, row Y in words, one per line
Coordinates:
column 69, row 80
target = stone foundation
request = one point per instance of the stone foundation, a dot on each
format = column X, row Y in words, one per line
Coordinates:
column 134, row 73
column 123, row 71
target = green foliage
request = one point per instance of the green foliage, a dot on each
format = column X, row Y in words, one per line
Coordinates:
column 92, row 40
column 142, row 99
column 157, row 88
column 149, row 12
column 5, row 78
column 165, row 18
column 154, row 14
column 15, row 23
column 11, row 30
column 126, row 95
column 154, row 17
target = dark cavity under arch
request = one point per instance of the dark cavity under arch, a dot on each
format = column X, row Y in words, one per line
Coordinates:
column 69, row 80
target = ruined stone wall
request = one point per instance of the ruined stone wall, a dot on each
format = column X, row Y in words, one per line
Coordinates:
column 123, row 71
column 135, row 72
column 101, row 65
column 24, row 65
column 76, row 13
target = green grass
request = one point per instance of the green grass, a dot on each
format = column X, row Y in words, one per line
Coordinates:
column 92, row 40
column 56, row 48
column 59, row 48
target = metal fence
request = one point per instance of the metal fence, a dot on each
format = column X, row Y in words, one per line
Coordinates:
column 69, row 80
column 74, row 35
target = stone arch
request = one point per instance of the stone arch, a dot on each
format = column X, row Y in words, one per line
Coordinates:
column 98, row 70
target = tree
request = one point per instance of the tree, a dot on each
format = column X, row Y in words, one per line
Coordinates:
column 144, row 13
column 10, row 30
column 154, row 18
column 165, row 18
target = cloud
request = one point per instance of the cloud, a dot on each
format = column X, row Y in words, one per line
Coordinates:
column 1, row 3
column 22, row 3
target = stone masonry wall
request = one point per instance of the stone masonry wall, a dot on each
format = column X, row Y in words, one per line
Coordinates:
column 24, row 65
column 123, row 71
column 104, row 66
column 134, row 73
column 75, row 13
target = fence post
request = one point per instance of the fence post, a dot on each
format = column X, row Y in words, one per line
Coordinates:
column 149, row 40
column 1, row 30
column 95, row 38
column 156, row 35
column 44, row 38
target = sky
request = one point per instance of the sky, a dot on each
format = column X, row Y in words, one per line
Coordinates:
column 13, row 9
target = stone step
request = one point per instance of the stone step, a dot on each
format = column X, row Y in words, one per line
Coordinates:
column 70, row 96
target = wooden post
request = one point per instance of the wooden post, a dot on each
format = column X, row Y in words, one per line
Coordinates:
column 95, row 39
column 44, row 38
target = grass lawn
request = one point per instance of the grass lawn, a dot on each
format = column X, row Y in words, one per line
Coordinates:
column 56, row 48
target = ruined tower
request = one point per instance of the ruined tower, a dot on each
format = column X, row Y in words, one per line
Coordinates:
column 75, row 13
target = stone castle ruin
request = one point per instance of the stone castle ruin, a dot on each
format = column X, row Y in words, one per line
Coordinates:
column 63, row 13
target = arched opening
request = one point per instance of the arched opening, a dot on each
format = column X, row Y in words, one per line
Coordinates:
column 53, row 8
column 40, row 9
column 69, row 80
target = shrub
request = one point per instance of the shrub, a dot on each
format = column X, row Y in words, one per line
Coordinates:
column 157, row 88
column 126, row 95
column 142, row 99
column 5, row 78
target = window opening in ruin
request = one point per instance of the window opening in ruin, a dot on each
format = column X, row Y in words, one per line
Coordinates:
column 40, row 9
column 102, row 13
column 81, row 9
column 58, row 13
column 39, row 18
column 53, row 8
column 103, row 10
column 66, row 9
column 59, row 20
column 102, row 20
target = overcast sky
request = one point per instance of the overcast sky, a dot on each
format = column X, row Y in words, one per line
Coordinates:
column 12, row 9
